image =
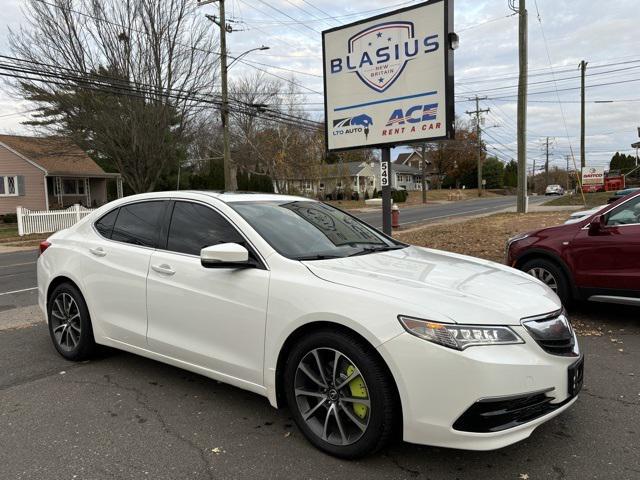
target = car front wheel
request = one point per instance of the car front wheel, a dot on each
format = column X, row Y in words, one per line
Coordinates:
column 69, row 323
column 551, row 275
column 340, row 394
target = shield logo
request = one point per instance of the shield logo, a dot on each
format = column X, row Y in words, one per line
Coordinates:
column 380, row 53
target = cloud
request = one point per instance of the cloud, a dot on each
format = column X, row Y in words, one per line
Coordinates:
column 599, row 32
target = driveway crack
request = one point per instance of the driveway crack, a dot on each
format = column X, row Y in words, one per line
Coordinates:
column 143, row 400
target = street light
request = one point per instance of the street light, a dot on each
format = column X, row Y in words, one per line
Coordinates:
column 230, row 182
column 235, row 59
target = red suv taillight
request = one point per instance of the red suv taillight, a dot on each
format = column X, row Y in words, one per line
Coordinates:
column 43, row 246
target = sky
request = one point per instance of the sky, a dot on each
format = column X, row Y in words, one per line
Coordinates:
column 561, row 34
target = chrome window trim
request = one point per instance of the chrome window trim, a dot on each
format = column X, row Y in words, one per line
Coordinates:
column 168, row 199
column 146, row 200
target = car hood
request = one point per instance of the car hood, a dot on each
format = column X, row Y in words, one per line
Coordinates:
column 443, row 286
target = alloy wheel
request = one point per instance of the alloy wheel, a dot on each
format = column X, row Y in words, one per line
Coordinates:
column 545, row 276
column 332, row 396
column 65, row 321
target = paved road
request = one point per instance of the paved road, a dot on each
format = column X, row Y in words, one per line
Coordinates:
column 18, row 279
column 420, row 214
column 125, row 417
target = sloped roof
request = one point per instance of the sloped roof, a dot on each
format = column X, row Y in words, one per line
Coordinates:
column 403, row 157
column 400, row 168
column 57, row 155
column 347, row 169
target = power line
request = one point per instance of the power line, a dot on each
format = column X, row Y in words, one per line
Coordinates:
column 143, row 91
column 287, row 15
column 621, row 82
column 539, row 72
column 564, row 120
column 542, row 82
column 177, row 43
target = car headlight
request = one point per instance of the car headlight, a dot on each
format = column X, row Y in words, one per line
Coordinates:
column 520, row 236
column 458, row 336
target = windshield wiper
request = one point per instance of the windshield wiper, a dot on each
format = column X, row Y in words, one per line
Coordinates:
column 386, row 248
column 318, row 257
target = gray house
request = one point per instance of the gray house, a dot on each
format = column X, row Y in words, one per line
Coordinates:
column 403, row 177
column 325, row 181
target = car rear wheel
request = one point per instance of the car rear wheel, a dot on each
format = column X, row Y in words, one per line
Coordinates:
column 340, row 394
column 551, row 275
column 69, row 323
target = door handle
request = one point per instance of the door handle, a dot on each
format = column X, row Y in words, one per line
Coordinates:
column 163, row 269
column 98, row 252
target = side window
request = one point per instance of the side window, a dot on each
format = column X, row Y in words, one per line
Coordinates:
column 106, row 223
column 139, row 223
column 626, row 214
column 194, row 227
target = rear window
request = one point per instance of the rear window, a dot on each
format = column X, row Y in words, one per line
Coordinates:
column 106, row 223
column 139, row 223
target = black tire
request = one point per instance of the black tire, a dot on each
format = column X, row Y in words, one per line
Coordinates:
column 383, row 415
column 71, row 344
column 562, row 289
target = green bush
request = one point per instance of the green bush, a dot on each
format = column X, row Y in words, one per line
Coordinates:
column 399, row 196
column 10, row 218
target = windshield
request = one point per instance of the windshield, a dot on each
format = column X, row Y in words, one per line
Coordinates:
column 305, row 230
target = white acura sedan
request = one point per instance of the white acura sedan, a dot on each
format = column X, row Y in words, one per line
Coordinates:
column 361, row 336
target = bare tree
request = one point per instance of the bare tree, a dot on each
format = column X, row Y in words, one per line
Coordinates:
column 126, row 78
column 257, row 93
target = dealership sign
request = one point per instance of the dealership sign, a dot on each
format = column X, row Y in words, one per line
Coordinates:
column 389, row 79
column 592, row 176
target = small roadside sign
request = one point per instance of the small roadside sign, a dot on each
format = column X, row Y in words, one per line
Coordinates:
column 384, row 174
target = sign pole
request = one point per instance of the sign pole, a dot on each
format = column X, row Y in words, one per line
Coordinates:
column 385, row 167
column 388, row 81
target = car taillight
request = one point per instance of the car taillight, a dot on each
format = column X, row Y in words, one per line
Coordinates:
column 43, row 246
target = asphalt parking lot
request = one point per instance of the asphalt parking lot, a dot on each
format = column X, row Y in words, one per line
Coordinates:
column 124, row 417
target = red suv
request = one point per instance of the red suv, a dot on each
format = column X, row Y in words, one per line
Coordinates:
column 597, row 258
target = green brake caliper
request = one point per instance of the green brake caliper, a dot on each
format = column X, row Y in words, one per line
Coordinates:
column 358, row 390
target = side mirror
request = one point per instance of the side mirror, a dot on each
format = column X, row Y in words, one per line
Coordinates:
column 224, row 255
column 597, row 225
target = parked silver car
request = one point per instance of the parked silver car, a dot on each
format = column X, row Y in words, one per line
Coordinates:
column 554, row 190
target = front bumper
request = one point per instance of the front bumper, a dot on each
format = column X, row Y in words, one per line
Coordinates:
column 438, row 386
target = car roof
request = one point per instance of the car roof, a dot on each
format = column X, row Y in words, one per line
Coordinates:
column 627, row 191
column 226, row 197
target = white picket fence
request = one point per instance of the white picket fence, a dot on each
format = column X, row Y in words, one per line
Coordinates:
column 47, row 221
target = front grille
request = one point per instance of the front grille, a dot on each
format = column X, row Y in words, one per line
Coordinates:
column 553, row 333
column 558, row 347
column 495, row 415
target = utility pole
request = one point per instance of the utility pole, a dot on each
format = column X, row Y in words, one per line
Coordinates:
column 546, row 164
column 583, row 158
column 424, row 173
column 230, row 180
column 568, row 158
column 533, row 187
column 477, row 112
column 523, row 204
